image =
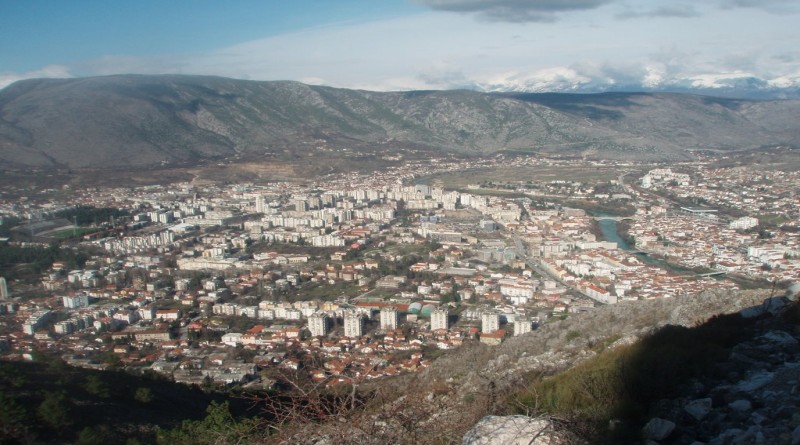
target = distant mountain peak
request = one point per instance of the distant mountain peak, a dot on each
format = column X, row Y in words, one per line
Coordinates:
column 737, row 84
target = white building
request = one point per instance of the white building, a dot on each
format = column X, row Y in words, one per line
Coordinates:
column 490, row 322
column 76, row 301
column 318, row 324
column 440, row 319
column 744, row 223
column 147, row 312
column 353, row 325
column 389, row 318
column 522, row 325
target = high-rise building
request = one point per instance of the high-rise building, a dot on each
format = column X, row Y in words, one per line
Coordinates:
column 261, row 204
column 3, row 288
column 75, row 301
column 389, row 318
column 440, row 319
column 353, row 325
column 318, row 324
column 490, row 322
column 314, row 202
column 522, row 325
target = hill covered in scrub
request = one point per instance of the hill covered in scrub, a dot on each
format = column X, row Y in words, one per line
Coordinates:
column 135, row 121
column 696, row 364
column 47, row 401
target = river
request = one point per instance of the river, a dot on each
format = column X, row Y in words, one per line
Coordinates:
column 608, row 229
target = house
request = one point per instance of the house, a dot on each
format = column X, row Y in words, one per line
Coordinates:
column 493, row 338
column 168, row 314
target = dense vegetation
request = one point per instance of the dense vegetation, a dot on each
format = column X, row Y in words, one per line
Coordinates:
column 17, row 262
column 624, row 383
column 86, row 215
column 47, row 401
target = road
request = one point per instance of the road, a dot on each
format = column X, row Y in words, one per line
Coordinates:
column 539, row 269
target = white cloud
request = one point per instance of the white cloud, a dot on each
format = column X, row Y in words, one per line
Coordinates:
column 676, row 11
column 50, row 71
column 588, row 49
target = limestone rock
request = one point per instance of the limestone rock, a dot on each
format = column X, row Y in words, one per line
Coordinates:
column 740, row 405
column 755, row 381
column 511, row 430
column 658, row 428
column 698, row 408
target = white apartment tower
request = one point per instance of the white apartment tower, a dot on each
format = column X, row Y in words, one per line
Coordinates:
column 439, row 319
column 353, row 325
column 76, row 301
column 318, row 324
column 261, row 204
column 490, row 322
column 522, row 325
column 389, row 318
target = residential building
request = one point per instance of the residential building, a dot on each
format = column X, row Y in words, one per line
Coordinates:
column 389, row 318
column 522, row 325
column 353, row 325
column 75, row 301
column 318, row 324
column 440, row 319
column 490, row 322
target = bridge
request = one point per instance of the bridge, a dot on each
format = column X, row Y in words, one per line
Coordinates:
column 615, row 218
column 712, row 274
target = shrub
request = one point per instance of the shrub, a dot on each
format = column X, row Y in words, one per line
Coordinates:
column 143, row 395
column 624, row 382
column 55, row 410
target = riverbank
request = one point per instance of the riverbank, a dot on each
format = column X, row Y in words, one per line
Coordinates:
column 609, row 231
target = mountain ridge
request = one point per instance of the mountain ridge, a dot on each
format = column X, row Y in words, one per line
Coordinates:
column 144, row 120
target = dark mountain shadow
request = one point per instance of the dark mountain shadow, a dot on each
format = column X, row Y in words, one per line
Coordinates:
column 592, row 106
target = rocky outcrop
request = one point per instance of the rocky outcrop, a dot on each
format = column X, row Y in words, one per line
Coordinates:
column 752, row 397
column 516, row 430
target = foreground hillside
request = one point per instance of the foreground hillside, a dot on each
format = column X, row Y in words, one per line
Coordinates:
column 124, row 121
column 711, row 367
column 599, row 377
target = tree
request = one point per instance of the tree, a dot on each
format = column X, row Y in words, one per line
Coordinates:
column 94, row 436
column 12, row 420
column 96, row 386
column 113, row 361
column 218, row 427
column 143, row 395
column 55, row 410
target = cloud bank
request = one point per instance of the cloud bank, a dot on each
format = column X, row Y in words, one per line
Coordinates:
column 517, row 11
column 550, row 45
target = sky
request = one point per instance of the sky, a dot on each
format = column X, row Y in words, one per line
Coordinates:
column 489, row 45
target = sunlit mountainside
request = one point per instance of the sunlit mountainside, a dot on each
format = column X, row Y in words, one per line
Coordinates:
column 146, row 120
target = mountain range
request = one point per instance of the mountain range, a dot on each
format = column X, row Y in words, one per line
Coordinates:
column 138, row 121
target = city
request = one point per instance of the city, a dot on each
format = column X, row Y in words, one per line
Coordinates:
column 363, row 276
